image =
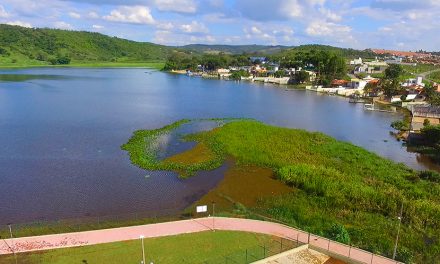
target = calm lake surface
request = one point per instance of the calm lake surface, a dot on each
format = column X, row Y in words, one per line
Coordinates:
column 61, row 131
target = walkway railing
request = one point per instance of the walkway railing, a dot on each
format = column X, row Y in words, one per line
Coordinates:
column 290, row 234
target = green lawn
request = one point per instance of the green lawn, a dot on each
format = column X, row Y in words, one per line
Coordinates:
column 335, row 183
column 187, row 248
column 419, row 68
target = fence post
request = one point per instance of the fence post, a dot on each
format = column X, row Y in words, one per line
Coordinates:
column 328, row 245
column 349, row 252
column 372, row 257
column 281, row 250
column 308, row 239
column 297, row 239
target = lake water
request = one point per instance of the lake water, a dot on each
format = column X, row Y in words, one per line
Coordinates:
column 61, row 131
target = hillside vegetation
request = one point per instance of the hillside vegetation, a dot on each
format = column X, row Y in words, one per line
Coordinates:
column 344, row 52
column 34, row 46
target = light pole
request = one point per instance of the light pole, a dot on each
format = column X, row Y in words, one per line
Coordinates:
column 143, row 249
column 12, row 241
column 213, row 216
column 398, row 232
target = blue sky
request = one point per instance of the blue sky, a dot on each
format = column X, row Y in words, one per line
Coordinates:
column 390, row 24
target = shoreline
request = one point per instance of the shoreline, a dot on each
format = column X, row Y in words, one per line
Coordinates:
column 128, row 65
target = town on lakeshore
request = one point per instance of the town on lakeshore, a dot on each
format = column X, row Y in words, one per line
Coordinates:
column 407, row 80
column 219, row 131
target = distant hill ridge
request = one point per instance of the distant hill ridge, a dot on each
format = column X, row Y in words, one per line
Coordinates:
column 42, row 46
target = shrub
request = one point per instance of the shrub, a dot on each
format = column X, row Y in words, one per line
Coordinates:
column 338, row 233
column 431, row 134
column 400, row 125
column 431, row 176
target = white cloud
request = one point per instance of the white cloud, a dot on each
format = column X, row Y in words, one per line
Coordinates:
column 3, row 13
column 131, row 14
column 321, row 28
column 194, row 27
column 330, row 15
column 93, row 15
column 74, row 15
column 165, row 26
column 97, row 27
column 63, row 25
column 276, row 10
column 19, row 23
column 179, row 6
column 266, row 34
column 202, row 39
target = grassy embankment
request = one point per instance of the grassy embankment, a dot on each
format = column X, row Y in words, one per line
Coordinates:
column 332, row 183
column 435, row 76
column 187, row 248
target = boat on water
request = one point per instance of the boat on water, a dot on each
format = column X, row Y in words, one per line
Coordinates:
column 371, row 107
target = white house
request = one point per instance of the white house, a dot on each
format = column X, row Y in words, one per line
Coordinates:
column 364, row 68
column 312, row 75
column 357, row 84
column 414, row 82
column 356, row 61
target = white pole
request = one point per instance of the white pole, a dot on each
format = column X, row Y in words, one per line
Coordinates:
column 143, row 249
column 213, row 216
column 398, row 231
column 12, row 242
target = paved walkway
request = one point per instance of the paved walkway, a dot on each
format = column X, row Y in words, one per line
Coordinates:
column 27, row 244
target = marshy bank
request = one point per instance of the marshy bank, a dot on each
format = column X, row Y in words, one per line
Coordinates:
column 314, row 182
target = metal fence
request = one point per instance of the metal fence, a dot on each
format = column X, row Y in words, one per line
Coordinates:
column 250, row 255
column 44, row 227
column 331, row 247
column 173, row 214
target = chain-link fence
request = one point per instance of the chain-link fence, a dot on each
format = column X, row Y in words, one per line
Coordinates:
column 173, row 214
column 252, row 254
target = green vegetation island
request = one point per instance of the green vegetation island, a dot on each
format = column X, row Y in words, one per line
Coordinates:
column 310, row 181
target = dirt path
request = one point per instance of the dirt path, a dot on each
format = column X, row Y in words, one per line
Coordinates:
column 47, row 242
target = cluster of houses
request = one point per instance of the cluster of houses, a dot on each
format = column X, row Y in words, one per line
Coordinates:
column 261, row 70
column 410, row 57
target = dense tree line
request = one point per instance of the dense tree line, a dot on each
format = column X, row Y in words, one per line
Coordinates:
column 328, row 65
column 181, row 60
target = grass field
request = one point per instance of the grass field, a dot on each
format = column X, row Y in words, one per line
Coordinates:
column 333, row 183
column 188, row 248
column 420, row 68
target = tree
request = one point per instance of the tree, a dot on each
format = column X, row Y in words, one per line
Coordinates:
column 393, row 72
column 302, row 76
column 391, row 87
column 431, row 134
column 236, row 75
column 432, row 95
column 279, row 74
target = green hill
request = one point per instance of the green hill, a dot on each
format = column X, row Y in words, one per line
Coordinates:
column 21, row 46
column 344, row 52
column 35, row 46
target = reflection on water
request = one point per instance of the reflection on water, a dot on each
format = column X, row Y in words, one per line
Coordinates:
column 60, row 147
column 29, row 77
